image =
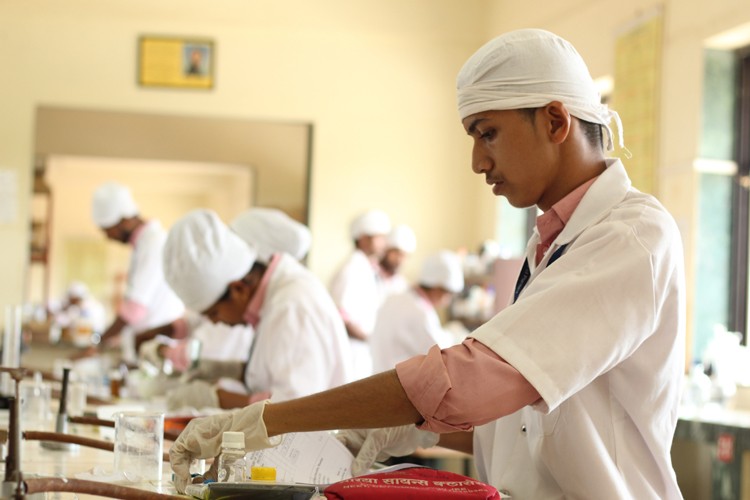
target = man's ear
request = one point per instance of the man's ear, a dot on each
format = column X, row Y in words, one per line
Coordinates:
column 239, row 290
column 558, row 121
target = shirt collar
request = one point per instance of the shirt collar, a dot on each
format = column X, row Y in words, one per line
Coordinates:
column 252, row 313
column 552, row 222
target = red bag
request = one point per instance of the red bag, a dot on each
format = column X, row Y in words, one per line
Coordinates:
column 412, row 483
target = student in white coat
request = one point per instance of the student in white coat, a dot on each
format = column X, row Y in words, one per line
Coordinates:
column 355, row 287
column 400, row 243
column 408, row 323
column 270, row 231
column 573, row 390
column 149, row 303
column 300, row 345
column 80, row 314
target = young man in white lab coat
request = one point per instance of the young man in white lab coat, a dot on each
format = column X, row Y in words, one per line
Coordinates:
column 355, row 286
column 408, row 323
column 573, row 390
column 149, row 303
column 299, row 346
column 269, row 231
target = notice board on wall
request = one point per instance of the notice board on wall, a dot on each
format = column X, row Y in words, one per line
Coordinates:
column 636, row 95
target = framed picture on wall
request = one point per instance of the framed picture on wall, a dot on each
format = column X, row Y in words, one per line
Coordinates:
column 176, row 62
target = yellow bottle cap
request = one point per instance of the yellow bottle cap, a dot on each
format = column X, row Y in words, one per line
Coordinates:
column 263, row 473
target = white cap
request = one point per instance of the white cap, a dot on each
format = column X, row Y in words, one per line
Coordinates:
column 443, row 269
column 370, row 223
column 78, row 289
column 232, row 439
column 403, row 238
column 111, row 203
column 202, row 256
column 530, row 68
column 272, row 231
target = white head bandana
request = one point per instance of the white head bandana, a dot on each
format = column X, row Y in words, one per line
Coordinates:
column 272, row 231
column 370, row 223
column 403, row 238
column 78, row 289
column 111, row 203
column 530, row 68
column 443, row 269
column 202, row 256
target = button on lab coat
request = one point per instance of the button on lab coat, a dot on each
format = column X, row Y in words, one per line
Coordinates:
column 600, row 335
column 301, row 345
column 407, row 325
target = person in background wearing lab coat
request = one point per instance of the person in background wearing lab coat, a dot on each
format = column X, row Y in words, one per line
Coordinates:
column 149, row 303
column 573, row 390
column 300, row 345
column 408, row 323
column 355, row 286
column 80, row 315
column 270, row 231
column 400, row 243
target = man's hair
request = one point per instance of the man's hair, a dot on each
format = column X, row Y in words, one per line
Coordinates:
column 592, row 131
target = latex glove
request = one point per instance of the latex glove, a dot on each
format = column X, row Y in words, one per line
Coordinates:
column 211, row 370
column 202, row 439
column 150, row 351
column 371, row 445
column 196, row 394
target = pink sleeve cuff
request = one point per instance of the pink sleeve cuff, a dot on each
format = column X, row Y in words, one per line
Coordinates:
column 444, row 386
column 132, row 312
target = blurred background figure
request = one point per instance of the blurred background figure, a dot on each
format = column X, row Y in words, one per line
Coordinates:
column 354, row 286
column 408, row 323
column 148, row 302
column 80, row 318
column 401, row 242
column 272, row 231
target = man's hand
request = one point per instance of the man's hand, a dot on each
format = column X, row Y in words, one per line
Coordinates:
column 202, row 439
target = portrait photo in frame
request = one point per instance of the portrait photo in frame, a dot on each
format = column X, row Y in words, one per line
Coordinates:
column 176, row 62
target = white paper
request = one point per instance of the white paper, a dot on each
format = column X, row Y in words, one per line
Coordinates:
column 306, row 457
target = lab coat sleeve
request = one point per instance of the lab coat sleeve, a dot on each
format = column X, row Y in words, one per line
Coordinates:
column 590, row 309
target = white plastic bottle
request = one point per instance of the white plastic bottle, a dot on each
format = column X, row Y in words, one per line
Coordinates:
column 232, row 465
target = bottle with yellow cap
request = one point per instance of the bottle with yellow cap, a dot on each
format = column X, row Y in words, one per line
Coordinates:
column 232, row 465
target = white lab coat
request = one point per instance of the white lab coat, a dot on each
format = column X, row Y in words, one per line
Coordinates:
column 407, row 325
column 392, row 285
column 355, row 291
column 301, row 345
column 147, row 286
column 222, row 342
column 600, row 335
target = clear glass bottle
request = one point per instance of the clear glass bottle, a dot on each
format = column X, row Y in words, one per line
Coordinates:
column 232, row 465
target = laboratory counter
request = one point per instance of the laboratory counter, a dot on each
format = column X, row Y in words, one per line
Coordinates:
column 711, row 453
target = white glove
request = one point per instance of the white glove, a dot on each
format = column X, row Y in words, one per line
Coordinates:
column 371, row 445
column 212, row 371
column 202, row 439
column 197, row 394
column 149, row 351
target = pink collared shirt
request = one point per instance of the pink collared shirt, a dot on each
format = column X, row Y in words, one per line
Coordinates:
column 252, row 313
column 442, row 385
column 552, row 222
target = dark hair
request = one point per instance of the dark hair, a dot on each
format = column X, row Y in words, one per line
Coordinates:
column 592, row 131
